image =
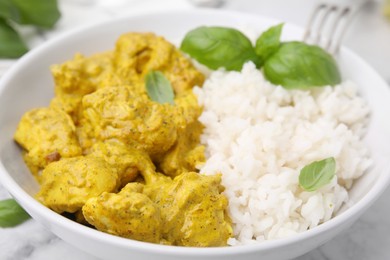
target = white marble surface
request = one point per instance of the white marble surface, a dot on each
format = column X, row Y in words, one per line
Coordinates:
column 369, row 35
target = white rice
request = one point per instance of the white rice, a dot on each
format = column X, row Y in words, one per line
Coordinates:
column 259, row 136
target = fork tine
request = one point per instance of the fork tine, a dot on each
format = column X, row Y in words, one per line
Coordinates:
column 328, row 10
column 334, row 27
column 311, row 22
column 337, row 24
column 317, row 22
column 350, row 15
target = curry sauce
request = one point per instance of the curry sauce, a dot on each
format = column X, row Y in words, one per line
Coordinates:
column 119, row 161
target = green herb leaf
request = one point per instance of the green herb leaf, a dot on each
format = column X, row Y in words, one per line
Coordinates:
column 11, row 45
column 217, row 47
column 317, row 174
column 43, row 13
column 297, row 65
column 268, row 42
column 8, row 10
column 11, row 214
column 159, row 88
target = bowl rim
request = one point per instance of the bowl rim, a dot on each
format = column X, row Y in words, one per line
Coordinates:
column 32, row 205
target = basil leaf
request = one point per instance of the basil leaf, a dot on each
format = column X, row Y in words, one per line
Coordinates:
column 8, row 10
column 317, row 174
column 43, row 13
column 159, row 88
column 11, row 214
column 11, row 45
column 217, row 47
column 268, row 42
column 298, row 65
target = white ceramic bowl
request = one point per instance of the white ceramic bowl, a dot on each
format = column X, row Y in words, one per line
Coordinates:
column 29, row 84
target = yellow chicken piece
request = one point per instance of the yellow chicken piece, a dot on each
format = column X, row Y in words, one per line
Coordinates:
column 78, row 77
column 128, row 214
column 187, row 152
column 115, row 113
column 136, row 54
column 193, row 210
column 190, row 210
column 69, row 183
column 46, row 134
column 127, row 160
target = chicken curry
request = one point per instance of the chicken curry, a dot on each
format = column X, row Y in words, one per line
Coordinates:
column 114, row 159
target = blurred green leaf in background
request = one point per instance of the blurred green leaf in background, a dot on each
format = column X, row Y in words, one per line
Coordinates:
column 40, row 13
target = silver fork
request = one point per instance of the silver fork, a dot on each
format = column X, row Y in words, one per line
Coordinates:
column 328, row 24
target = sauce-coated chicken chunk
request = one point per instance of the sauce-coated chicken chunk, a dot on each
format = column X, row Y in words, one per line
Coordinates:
column 46, row 134
column 128, row 214
column 78, row 77
column 136, row 54
column 194, row 210
column 127, row 160
column 69, row 183
column 116, row 113
column 186, row 211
